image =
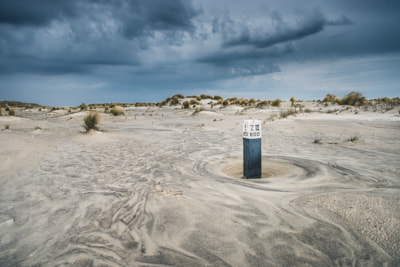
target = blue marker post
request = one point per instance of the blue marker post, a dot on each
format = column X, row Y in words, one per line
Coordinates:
column 252, row 149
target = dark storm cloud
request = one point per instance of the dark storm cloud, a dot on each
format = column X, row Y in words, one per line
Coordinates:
column 144, row 17
column 37, row 12
column 305, row 26
column 45, row 36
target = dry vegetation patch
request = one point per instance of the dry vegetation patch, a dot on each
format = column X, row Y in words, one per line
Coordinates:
column 91, row 120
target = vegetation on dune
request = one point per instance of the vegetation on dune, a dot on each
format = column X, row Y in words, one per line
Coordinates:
column 330, row 98
column 91, row 120
column 117, row 111
column 276, row 102
column 287, row 113
column 353, row 99
column 186, row 104
column 354, row 138
column 83, row 107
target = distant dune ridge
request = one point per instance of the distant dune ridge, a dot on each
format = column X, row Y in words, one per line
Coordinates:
column 161, row 183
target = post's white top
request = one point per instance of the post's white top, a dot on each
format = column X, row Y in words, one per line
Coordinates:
column 252, row 129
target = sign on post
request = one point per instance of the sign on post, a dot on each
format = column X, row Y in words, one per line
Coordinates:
column 252, row 149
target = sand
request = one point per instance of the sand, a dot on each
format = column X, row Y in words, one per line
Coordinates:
column 160, row 187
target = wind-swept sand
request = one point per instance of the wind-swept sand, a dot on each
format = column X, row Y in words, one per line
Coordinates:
column 162, row 187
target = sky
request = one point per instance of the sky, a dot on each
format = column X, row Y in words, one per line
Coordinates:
column 64, row 53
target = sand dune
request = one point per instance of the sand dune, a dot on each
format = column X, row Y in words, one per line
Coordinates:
column 161, row 187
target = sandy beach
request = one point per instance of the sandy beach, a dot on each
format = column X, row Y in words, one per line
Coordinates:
column 164, row 187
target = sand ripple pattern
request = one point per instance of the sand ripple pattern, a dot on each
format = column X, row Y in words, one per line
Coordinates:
column 169, row 195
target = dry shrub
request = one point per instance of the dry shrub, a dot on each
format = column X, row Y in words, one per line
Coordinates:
column 174, row 101
column 194, row 102
column 262, row 104
column 354, row 138
column 83, row 106
column 330, row 98
column 353, row 99
column 287, row 113
column 90, row 121
column 116, row 111
column 11, row 112
column 317, row 141
column 186, row 104
column 276, row 102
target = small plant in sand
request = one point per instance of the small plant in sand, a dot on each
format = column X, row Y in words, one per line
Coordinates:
column 174, row 101
column 276, row 102
column 287, row 113
column 11, row 112
column 7, row 127
column 197, row 111
column 38, row 128
column 83, row 106
column 354, row 138
column 292, row 99
column 330, row 98
column 116, row 111
column 186, row 104
column 91, row 120
column 1, row 112
column 317, row 141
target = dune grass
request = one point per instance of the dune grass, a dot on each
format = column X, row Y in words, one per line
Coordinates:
column 117, row 111
column 91, row 120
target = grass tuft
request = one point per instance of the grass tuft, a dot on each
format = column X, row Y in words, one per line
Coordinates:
column 354, row 138
column 116, row 111
column 276, row 102
column 90, row 121
column 287, row 113
column 11, row 112
column 317, row 141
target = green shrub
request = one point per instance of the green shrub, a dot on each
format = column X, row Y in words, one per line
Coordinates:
column 276, row 102
column 11, row 112
column 116, row 111
column 7, row 127
column 90, row 121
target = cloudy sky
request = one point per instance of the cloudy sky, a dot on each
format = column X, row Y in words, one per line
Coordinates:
column 59, row 52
